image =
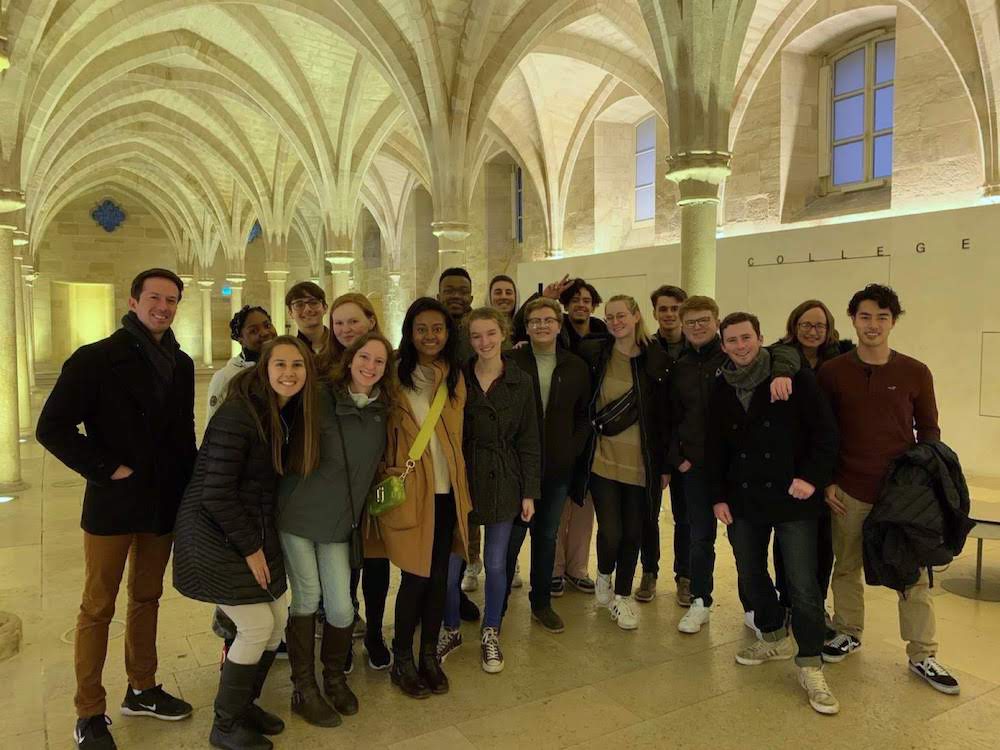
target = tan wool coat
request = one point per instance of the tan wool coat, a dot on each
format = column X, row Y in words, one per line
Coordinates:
column 406, row 534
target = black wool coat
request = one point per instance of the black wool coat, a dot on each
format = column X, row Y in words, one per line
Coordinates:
column 753, row 456
column 228, row 513
column 650, row 373
column 108, row 387
column 501, row 443
column 563, row 424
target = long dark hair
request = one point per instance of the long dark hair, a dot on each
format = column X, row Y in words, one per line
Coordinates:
column 408, row 356
column 340, row 377
column 252, row 386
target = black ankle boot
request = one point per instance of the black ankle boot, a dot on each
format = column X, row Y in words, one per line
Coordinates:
column 430, row 669
column 230, row 731
column 257, row 718
column 337, row 643
column 404, row 674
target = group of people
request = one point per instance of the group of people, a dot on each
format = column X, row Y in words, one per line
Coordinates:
column 496, row 422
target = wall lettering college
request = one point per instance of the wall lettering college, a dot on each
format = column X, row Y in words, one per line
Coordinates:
column 920, row 248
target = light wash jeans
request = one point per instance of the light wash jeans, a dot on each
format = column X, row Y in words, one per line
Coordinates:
column 319, row 571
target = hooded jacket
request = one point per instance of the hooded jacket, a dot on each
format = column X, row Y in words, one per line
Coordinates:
column 921, row 518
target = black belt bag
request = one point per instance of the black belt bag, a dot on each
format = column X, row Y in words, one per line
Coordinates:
column 618, row 415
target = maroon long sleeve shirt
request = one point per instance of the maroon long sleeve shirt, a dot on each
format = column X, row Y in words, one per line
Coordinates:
column 878, row 409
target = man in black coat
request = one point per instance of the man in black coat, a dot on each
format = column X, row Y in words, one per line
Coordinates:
column 134, row 394
column 768, row 463
column 561, row 384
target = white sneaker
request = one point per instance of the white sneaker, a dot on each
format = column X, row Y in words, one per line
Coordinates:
column 761, row 651
column 696, row 616
column 605, row 595
column 516, row 581
column 748, row 621
column 470, row 581
column 821, row 698
column 622, row 613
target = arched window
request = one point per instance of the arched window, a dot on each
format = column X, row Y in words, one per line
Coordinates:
column 856, row 130
column 645, row 169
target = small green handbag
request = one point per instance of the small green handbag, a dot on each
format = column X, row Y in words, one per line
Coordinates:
column 391, row 492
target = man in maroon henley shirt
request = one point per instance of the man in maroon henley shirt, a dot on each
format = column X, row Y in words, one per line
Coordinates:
column 884, row 403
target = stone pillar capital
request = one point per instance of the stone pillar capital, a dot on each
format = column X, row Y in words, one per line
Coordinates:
column 236, row 281
column 11, row 200
column 455, row 231
column 20, row 238
column 206, row 284
column 698, row 174
column 276, row 274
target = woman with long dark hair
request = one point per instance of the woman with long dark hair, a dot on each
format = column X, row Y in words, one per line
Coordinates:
column 317, row 517
column 226, row 548
column 419, row 535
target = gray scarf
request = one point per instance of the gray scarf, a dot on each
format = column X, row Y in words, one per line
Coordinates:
column 746, row 379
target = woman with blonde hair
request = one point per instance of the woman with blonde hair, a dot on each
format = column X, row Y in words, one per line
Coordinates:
column 626, row 465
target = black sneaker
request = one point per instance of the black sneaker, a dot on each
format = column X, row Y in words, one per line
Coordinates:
column 840, row 647
column 548, row 619
column 584, row 585
column 558, row 587
column 282, row 651
column 936, row 675
column 92, row 733
column 467, row 609
column 379, row 657
column 155, row 702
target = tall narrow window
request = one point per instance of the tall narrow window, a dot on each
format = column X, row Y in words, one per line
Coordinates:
column 518, row 206
column 645, row 169
column 861, row 114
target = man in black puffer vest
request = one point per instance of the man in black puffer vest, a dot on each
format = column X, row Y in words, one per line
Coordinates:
column 134, row 394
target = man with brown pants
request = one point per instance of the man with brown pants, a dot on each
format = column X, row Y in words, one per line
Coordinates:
column 134, row 393
column 880, row 398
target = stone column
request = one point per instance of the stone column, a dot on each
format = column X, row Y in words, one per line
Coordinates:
column 205, row 286
column 698, row 176
column 23, row 388
column 235, row 303
column 452, row 238
column 10, row 450
column 29, row 277
column 276, row 280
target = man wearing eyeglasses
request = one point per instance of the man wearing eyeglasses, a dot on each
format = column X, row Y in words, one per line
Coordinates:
column 306, row 303
column 562, row 393
column 691, row 383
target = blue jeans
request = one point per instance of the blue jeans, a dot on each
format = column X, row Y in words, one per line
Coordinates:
column 544, row 529
column 319, row 571
column 703, row 531
column 495, row 542
column 797, row 540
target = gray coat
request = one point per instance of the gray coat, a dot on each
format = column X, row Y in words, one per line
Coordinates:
column 317, row 507
column 501, row 445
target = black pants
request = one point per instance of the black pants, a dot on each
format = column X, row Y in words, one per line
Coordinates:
column 824, row 561
column 544, row 528
column 650, row 547
column 797, row 540
column 375, row 587
column 620, row 509
column 421, row 600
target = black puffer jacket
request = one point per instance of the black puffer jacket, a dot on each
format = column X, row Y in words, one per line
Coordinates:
column 503, row 455
column 228, row 513
column 921, row 518
column 650, row 371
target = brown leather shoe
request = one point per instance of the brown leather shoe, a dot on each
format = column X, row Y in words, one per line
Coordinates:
column 306, row 699
column 333, row 654
column 647, row 588
column 684, row 592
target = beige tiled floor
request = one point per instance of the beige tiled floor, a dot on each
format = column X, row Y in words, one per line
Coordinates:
column 593, row 686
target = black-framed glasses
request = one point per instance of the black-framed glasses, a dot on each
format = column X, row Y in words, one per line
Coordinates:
column 301, row 304
column 806, row 327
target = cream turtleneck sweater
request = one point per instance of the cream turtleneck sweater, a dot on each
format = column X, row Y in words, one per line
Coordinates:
column 420, row 399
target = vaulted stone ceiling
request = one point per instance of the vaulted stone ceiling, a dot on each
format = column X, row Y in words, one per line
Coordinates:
column 295, row 113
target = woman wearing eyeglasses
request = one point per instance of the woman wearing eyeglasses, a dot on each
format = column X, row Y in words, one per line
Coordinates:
column 627, row 469
column 811, row 332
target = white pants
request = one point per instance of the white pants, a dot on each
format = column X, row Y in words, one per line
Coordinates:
column 259, row 628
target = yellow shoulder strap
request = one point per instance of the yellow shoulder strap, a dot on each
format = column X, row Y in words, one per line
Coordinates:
column 427, row 428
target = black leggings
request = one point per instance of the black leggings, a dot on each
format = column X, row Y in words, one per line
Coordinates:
column 421, row 600
column 375, row 587
column 621, row 510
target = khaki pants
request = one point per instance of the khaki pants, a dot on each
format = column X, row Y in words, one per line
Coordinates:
column 104, row 560
column 916, row 610
column 573, row 540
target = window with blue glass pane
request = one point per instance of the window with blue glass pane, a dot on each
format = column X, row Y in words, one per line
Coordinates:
column 849, row 163
column 519, row 205
column 883, row 108
column 849, row 117
column 883, row 156
column 849, row 73
column 885, row 61
column 645, row 169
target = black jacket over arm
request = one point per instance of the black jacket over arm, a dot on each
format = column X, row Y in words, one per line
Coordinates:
column 564, row 425
column 752, row 457
column 228, row 513
column 108, row 387
column 650, row 371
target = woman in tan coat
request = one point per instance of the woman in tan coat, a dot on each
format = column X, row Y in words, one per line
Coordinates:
column 419, row 535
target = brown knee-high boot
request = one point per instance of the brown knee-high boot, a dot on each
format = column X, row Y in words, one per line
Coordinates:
column 307, row 701
column 333, row 653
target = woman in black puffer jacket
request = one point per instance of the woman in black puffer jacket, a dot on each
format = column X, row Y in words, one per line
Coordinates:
column 226, row 548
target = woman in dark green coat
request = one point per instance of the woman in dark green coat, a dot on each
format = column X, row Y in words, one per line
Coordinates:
column 503, row 459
